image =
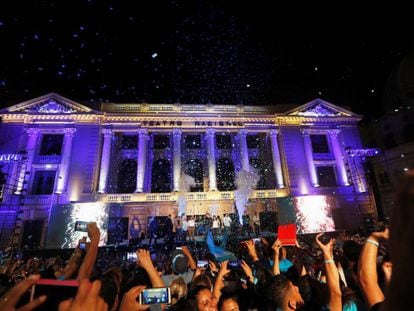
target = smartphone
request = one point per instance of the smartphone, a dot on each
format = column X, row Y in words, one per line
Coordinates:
column 132, row 256
column 81, row 226
column 234, row 264
column 82, row 245
column 202, row 264
column 256, row 240
column 55, row 290
column 179, row 247
column 155, row 296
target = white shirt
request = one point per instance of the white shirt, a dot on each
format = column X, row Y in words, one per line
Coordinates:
column 191, row 223
column 227, row 221
column 215, row 223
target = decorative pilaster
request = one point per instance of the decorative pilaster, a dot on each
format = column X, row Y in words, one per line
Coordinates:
column 277, row 164
column 244, row 152
column 142, row 158
column 309, row 158
column 211, row 157
column 33, row 135
column 105, row 160
column 339, row 158
column 177, row 159
column 65, row 162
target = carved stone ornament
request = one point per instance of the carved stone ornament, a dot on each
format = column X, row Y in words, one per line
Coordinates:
column 318, row 110
column 51, row 106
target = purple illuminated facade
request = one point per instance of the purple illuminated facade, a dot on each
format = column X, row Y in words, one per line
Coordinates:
column 55, row 151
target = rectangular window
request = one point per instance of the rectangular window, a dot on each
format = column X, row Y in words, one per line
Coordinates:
column 253, row 141
column 129, row 142
column 319, row 144
column 51, row 144
column 161, row 141
column 192, row 141
column 223, row 141
column 43, row 182
column 326, row 176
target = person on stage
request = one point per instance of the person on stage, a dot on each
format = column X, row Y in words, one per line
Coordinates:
column 191, row 228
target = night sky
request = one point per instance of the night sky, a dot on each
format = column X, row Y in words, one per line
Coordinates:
column 220, row 52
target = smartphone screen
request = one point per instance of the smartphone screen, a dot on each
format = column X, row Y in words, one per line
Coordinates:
column 234, row 264
column 55, row 290
column 202, row 264
column 81, row 226
column 256, row 240
column 155, row 296
column 82, row 245
column 132, row 256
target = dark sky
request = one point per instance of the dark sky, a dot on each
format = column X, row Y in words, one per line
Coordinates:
column 223, row 52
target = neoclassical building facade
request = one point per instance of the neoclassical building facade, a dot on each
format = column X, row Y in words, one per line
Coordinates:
column 144, row 157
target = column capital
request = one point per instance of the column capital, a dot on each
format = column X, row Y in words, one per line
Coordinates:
column 273, row 132
column 334, row 133
column 210, row 132
column 69, row 131
column 142, row 132
column 177, row 132
column 32, row 131
column 243, row 132
column 107, row 132
column 305, row 132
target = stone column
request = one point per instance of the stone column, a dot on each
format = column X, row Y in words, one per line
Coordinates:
column 309, row 158
column 339, row 158
column 177, row 159
column 33, row 135
column 65, row 160
column 105, row 159
column 244, row 151
column 277, row 164
column 142, row 158
column 211, row 157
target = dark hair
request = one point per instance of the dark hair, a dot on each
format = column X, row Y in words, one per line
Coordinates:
column 227, row 296
column 277, row 290
column 109, row 291
column 196, row 290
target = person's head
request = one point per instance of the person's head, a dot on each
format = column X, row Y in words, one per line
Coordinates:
column 201, row 280
column 179, row 262
column 178, row 290
column 228, row 302
column 283, row 294
column 203, row 298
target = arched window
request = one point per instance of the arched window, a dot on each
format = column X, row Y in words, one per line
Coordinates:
column 161, row 176
column 225, row 175
column 127, row 176
column 194, row 168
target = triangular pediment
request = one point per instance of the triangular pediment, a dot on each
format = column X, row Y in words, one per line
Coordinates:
column 51, row 103
column 320, row 108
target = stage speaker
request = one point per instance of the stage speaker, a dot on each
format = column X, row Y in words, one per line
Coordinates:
column 268, row 221
column 117, row 229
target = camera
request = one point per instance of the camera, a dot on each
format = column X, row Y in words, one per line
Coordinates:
column 202, row 264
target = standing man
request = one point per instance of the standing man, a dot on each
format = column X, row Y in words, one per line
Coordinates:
column 256, row 224
column 178, row 228
column 246, row 223
column 191, row 228
column 207, row 223
column 184, row 227
column 227, row 223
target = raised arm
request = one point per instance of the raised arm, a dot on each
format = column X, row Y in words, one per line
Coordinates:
column 367, row 268
column 219, row 284
column 276, row 251
column 145, row 261
column 332, row 275
column 191, row 261
column 86, row 267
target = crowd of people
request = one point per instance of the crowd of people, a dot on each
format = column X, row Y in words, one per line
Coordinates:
column 350, row 272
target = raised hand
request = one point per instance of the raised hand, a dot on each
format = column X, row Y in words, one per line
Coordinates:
column 327, row 249
column 130, row 300
column 93, row 232
column 246, row 269
column 144, row 259
column 277, row 245
column 87, row 298
column 9, row 300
